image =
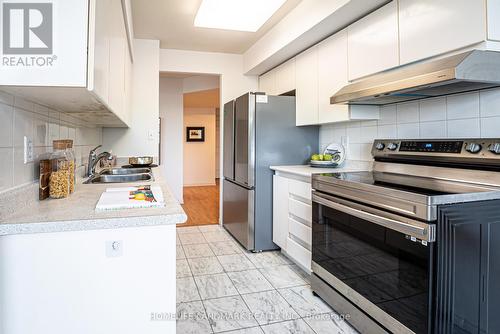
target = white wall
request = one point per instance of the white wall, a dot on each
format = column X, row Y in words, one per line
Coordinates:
column 471, row 115
column 171, row 112
column 199, row 157
column 230, row 66
column 200, row 82
column 135, row 141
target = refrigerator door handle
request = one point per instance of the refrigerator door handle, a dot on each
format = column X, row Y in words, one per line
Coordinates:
column 251, row 139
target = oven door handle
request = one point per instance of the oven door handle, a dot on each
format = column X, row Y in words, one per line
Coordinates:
column 422, row 231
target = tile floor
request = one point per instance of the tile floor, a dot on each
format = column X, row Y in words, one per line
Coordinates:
column 222, row 288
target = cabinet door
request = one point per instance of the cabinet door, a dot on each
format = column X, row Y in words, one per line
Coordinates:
column 306, row 82
column 373, row 42
column 127, row 104
column 490, row 320
column 117, row 48
column 332, row 76
column 53, row 55
column 285, row 77
column 99, row 83
column 267, row 83
column 428, row 27
column 493, row 20
column 280, row 211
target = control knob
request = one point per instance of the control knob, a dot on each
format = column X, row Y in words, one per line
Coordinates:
column 392, row 146
column 380, row 146
column 494, row 148
column 473, row 148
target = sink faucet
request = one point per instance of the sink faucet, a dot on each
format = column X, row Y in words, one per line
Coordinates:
column 94, row 159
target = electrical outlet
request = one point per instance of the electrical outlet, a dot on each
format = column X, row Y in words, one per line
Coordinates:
column 28, row 150
column 114, row 248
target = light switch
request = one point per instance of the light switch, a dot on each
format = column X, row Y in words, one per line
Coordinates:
column 151, row 135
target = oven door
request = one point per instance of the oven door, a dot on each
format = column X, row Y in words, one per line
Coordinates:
column 381, row 262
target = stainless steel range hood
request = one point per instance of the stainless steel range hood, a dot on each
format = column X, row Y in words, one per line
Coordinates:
column 464, row 72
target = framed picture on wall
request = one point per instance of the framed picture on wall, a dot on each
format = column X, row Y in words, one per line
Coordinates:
column 195, row 133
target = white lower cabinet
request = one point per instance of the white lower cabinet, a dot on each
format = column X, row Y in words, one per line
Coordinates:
column 292, row 218
column 280, row 211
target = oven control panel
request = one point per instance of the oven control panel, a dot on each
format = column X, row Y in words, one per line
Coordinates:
column 431, row 146
column 456, row 148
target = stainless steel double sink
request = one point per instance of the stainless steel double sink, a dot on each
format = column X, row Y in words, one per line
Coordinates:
column 121, row 175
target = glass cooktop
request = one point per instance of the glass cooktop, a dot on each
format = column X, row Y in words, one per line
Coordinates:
column 370, row 178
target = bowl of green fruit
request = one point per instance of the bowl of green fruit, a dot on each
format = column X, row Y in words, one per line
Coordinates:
column 332, row 157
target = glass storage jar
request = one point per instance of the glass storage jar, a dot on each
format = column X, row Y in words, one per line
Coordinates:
column 59, row 186
column 72, row 165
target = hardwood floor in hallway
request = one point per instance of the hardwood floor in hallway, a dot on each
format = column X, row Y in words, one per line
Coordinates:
column 201, row 205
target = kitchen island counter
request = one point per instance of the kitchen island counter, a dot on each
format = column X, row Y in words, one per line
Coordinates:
column 77, row 212
column 56, row 253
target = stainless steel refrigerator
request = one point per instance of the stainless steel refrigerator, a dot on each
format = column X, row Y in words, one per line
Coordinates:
column 259, row 132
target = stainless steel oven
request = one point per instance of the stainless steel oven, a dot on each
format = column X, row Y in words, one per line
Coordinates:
column 382, row 261
column 385, row 246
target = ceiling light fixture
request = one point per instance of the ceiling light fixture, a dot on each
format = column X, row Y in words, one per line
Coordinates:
column 241, row 15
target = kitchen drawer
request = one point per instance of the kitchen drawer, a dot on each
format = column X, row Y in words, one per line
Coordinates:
column 299, row 254
column 300, row 189
column 300, row 209
column 300, row 231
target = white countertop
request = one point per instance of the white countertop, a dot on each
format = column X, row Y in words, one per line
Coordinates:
column 77, row 212
column 307, row 171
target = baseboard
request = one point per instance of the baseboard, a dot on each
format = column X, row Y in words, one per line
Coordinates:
column 200, row 185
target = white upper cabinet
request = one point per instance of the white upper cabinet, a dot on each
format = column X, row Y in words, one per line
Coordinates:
column 99, row 79
column 117, row 53
column 267, row 83
column 494, row 20
column 88, row 68
column 279, row 80
column 306, row 82
column 55, row 59
column 332, row 76
column 285, row 77
column 429, row 27
column 373, row 42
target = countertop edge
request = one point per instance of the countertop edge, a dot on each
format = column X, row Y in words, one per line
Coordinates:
column 92, row 224
column 171, row 214
column 308, row 171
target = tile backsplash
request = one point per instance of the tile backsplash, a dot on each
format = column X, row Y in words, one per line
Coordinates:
column 471, row 115
column 19, row 118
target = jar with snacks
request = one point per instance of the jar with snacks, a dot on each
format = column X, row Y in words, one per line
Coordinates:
column 59, row 186
column 72, row 165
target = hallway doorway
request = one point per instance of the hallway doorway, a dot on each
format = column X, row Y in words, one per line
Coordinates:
column 190, row 111
column 201, row 156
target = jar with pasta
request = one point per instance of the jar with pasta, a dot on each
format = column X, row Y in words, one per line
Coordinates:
column 72, row 165
column 59, row 186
